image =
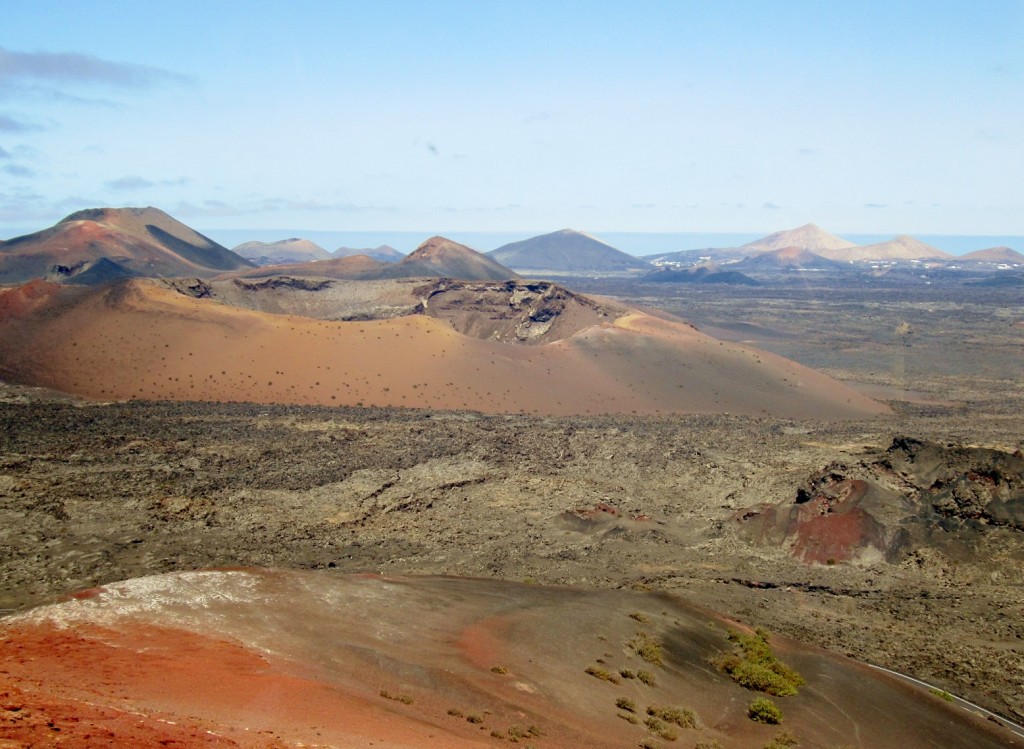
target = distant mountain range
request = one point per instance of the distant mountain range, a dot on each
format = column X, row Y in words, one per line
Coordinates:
column 102, row 244
column 809, row 247
column 131, row 241
column 898, row 248
column 438, row 257
column 384, row 253
column 294, row 250
column 809, row 237
column 567, row 251
column 994, row 255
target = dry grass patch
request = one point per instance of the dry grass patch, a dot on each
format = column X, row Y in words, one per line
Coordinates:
column 648, row 647
column 680, row 716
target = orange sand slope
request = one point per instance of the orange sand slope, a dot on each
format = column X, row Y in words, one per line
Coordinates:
column 141, row 339
column 273, row 659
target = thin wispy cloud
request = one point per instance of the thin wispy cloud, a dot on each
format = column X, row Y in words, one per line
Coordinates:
column 24, row 206
column 875, row 205
column 771, row 206
column 135, row 182
column 4, row 154
column 16, row 170
column 9, row 124
column 433, row 149
column 218, row 208
column 71, row 67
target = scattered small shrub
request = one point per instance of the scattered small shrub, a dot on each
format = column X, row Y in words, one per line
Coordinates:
column 711, row 744
column 627, row 674
column 455, row 712
column 668, row 733
column 474, row 718
column 637, row 616
column 535, row 732
column 648, row 647
column 654, row 724
column 624, row 703
column 757, row 668
column 499, row 670
column 763, row 710
column 681, row 716
column 497, row 735
column 647, row 745
column 647, row 678
column 782, row 740
column 629, row 717
column 600, row 673
column 403, row 698
column 515, row 733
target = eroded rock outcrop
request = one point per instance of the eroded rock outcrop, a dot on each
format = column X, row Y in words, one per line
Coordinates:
column 915, row 494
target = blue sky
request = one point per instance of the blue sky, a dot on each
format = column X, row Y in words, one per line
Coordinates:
column 517, row 116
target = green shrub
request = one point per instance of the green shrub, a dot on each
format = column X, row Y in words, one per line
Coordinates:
column 681, row 716
column 624, row 703
column 757, row 668
column 600, row 673
column 941, row 694
column 763, row 710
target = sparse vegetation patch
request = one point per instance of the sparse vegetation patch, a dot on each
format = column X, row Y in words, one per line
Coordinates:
column 763, row 710
column 624, row 703
column 648, row 647
column 681, row 716
column 600, row 673
column 403, row 698
column 782, row 740
column 647, row 678
column 756, row 667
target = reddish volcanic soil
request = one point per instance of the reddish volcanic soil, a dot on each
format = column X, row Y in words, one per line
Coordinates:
column 288, row 659
column 138, row 339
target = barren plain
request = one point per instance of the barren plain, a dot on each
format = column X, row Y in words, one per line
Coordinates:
column 95, row 492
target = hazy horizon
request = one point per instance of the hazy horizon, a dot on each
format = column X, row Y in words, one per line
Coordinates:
column 634, row 243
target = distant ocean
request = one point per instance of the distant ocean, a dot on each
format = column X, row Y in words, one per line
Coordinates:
column 634, row 243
